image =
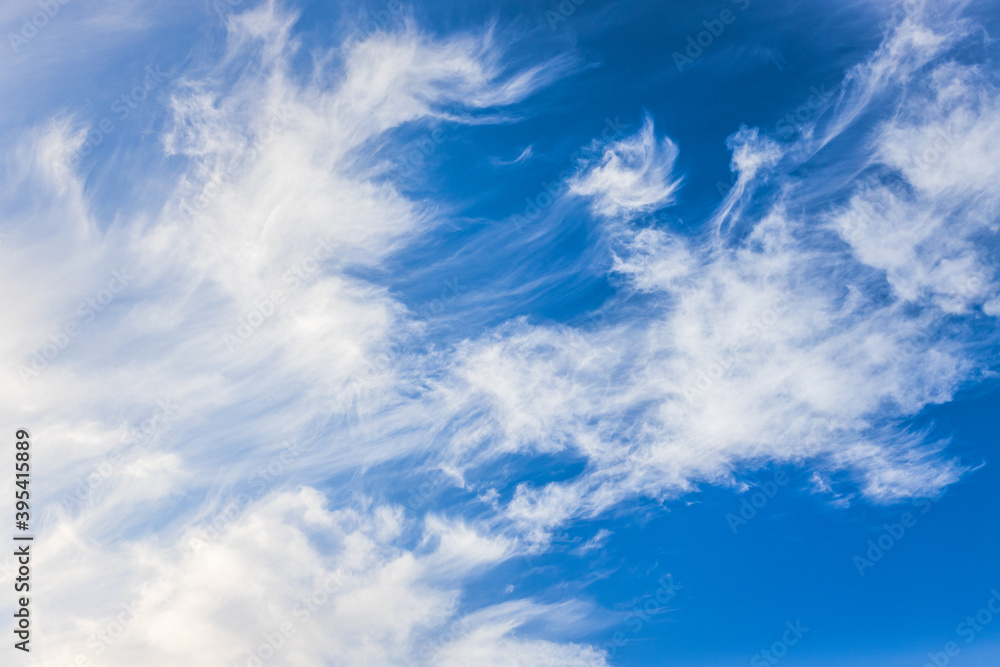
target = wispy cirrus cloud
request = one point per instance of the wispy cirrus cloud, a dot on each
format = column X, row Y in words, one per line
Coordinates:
column 805, row 321
column 785, row 334
column 235, row 242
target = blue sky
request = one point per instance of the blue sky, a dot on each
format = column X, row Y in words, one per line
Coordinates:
column 624, row 333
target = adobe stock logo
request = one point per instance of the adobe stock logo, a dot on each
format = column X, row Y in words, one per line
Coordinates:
column 122, row 106
column 796, row 121
column 566, row 9
column 379, row 21
column 299, row 274
column 891, row 535
column 87, row 312
column 550, row 192
column 697, row 44
column 750, row 505
column 753, row 328
column 30, row 28
column 968, row 630
column 778, row 650
column 653, row 603
column 85, row 486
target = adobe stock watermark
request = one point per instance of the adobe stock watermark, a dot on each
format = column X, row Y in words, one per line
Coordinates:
column 85, row 486
column 904, row 9
column 968, row 630
column 450, row 291
column 416, row 157
column 891, row 535
column 723, row 187
column 374, row 369
column 454, row 632
column 380, row 365
column 752, row 328
column 266, row 306
column 273, row 642
column 562, row 12
column 379, row 20
column 86, row 312
column 113, row 631
column 422, row 494
column 307, row 606
column 714, row 27
column 261, row 480
column 942, row 143
column 216, row 185
column 38, row 20
column 122, row 106
column 459, row 629
column 795, row 121
column 223, row 8
column 535, row 205
column 8, row 570
column 752, row 503
column 779, row 649
column 595, row 320
column 642, row 613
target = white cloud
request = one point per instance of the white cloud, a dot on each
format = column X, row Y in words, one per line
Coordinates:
column 632, row 175
column 933, row 237
column 325, row 587
column 275, row 206
column 785, row 335
column 767, row 341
